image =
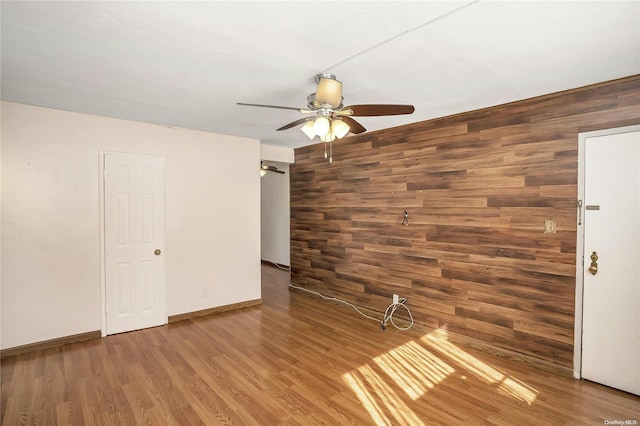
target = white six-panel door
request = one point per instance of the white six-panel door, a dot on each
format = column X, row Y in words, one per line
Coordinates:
column 134, row 242
column 611, row 290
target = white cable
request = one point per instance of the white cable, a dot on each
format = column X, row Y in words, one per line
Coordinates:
column 388, row 313
column 424, row 24
column 388, row 316
column 283, row 267
column 335, row 300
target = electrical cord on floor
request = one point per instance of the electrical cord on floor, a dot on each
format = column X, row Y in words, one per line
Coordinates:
column 388, row 314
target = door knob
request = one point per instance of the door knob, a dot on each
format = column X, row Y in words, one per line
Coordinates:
column 157, row 252
column 594, row 264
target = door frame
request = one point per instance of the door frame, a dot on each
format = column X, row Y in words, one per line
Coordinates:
column 579, row 301
column 102, row 241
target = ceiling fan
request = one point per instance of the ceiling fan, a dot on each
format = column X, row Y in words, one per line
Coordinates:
column 328, row 118
column 264, row 169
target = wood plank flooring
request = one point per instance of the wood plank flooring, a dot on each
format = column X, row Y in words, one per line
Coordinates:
column 294, row 360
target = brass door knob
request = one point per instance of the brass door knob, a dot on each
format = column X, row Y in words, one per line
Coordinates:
column 157, row 252
column 594, row 263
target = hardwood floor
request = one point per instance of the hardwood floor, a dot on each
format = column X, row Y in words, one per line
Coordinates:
column 294, row 360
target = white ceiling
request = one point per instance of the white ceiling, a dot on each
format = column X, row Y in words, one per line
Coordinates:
column 186, row 64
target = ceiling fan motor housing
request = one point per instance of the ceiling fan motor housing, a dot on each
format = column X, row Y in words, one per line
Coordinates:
column 329, row 91
column 314, row 105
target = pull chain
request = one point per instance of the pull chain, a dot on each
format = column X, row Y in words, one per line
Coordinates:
column 330, row 152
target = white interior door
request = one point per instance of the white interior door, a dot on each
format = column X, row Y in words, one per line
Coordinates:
column 611, row 302
column 134, row 242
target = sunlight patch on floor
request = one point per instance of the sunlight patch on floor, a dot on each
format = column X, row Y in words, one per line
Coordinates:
column 379, row 399
column 469, row 362
column 366, row 398
column 515, row 388
column 413, row 368
column 507, row 385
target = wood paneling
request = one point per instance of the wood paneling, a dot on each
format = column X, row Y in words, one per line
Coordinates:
column 478, row 187
column 293, row 360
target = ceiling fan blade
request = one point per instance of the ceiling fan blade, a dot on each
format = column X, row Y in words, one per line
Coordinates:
column 274, row 106
column 372, row 110
column 354, row 126
column 272, row 169
column 295, row 123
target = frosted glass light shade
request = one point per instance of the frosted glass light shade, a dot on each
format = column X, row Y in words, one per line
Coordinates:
column 339, row 128
column 321, row 126
column 263, row 172
column 329, row 92
column 307, row 129
column 329, row 137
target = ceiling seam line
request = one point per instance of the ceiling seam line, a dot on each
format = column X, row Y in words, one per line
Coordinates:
column 424, row 24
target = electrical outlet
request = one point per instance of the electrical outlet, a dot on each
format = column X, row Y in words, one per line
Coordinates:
column 395, row 299
column 549, row 226
column 205, row 293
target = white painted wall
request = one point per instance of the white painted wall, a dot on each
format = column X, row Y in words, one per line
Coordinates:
column 277, row 153
column 1, row 225
column 275, row 214
column 50, row 218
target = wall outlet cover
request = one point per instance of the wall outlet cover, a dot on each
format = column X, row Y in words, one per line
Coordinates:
column 549, row 226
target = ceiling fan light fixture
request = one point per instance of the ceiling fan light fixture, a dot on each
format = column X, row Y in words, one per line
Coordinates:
column 339, row 128
column 329, row 90
column 329, row 137
column 329, row 119
column 263, row 172
column 307, row 129
column 321, row 126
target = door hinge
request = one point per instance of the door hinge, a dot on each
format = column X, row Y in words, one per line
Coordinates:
column 579, row 212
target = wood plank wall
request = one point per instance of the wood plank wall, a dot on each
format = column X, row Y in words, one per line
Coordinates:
column 478, row 187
